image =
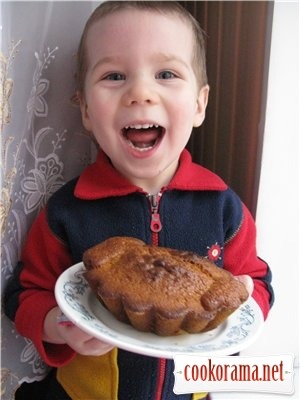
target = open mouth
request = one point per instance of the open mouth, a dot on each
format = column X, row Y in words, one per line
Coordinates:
column 143, row 137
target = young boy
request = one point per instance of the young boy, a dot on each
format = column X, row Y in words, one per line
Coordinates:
column 142, row 88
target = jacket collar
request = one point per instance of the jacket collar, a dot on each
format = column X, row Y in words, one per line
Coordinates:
column 101, row 179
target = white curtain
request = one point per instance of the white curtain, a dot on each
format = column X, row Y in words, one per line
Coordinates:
column 43, row 143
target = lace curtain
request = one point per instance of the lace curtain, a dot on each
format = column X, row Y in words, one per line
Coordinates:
column 43, row 143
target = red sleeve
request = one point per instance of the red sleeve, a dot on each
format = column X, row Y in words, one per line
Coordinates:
column 44, row 258
column 240, row 258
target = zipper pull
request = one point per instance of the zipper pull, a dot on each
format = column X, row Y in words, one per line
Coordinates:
column 155, row 224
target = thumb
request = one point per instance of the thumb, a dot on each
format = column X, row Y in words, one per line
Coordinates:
column 247, row 281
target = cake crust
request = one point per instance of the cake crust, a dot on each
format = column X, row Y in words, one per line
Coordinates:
column 161, row 290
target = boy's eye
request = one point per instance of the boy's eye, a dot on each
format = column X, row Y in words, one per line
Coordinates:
column 115, row 76
column 165, row 75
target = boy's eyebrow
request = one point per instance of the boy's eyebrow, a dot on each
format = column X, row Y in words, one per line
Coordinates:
column 160, row 57
column 165, row 57
column 105, row 60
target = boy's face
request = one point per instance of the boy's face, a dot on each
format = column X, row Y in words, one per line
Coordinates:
column 141, row 97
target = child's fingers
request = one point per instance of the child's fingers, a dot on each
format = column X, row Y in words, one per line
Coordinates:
column 63, row 320
column 247, row 281
column 95, row 347
column 80, row 341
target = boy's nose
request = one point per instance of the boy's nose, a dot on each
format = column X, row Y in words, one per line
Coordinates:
column 140, row 92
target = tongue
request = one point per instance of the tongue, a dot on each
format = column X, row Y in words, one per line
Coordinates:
column 141, row 137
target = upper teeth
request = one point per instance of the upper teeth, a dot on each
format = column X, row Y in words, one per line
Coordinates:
column 141, row 126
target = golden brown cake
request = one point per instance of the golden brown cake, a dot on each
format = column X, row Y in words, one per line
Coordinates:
column 161, row 290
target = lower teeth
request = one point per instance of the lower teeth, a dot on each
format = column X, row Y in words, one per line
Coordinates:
column 141, row 149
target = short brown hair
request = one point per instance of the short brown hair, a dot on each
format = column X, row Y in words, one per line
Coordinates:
column 163, row 7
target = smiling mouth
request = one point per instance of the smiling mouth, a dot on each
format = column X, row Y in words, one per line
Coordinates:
column 143, row 137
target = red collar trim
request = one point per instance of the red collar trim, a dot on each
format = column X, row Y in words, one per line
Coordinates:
column 101, row 179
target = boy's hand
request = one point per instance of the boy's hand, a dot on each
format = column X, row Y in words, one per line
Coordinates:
column 247, row 281
column 82, row 342
column 78, row 340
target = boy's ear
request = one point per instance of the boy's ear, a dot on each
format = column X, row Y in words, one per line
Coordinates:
column 84, row 112
column 201, row 106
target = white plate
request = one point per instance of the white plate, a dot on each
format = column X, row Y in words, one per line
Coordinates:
column 80, row 305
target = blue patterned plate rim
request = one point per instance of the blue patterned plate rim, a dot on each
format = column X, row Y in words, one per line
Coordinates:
column 80, row 305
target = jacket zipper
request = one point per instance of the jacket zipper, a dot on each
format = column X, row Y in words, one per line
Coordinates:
column 156, row 226
column 161, row 378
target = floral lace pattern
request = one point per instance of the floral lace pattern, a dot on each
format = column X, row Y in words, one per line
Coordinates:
column 39, row 132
